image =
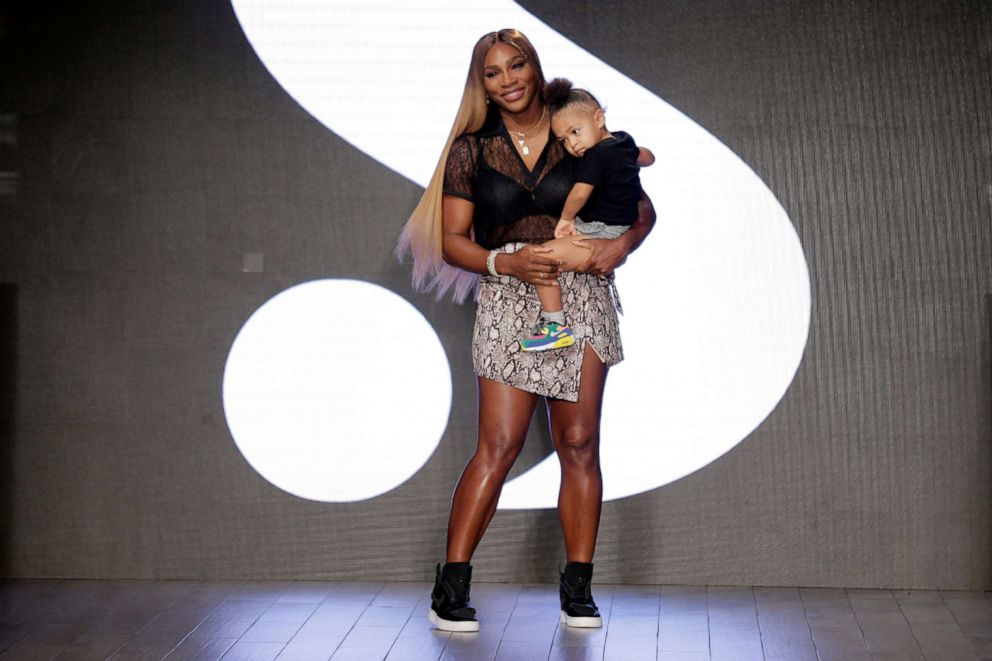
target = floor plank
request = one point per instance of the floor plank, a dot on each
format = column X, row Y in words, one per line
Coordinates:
column 260, row 620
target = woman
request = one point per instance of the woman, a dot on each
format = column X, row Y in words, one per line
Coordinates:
column 499, row 187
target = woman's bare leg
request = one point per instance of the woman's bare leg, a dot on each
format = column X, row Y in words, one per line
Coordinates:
column 504, row 416
column 575, row 434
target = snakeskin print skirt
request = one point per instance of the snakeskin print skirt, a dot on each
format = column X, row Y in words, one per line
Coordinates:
column 507, row 311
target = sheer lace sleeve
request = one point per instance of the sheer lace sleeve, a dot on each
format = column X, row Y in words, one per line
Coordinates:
column 460, row 169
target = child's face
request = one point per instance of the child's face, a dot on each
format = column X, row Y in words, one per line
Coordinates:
column 579, row 129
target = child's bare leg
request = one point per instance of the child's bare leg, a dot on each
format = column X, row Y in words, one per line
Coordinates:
column 550, row 297
column 572, row 257
column 565, row 251
column 553, row 331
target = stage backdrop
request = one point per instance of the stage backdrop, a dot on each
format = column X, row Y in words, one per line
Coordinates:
column 158, row 186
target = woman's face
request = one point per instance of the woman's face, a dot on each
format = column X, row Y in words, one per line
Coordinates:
column 510, row 79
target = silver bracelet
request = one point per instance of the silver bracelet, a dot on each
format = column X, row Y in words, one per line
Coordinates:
column 491, row 262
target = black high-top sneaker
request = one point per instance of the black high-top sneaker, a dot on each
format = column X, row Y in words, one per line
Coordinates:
column 450, row 610
column 577, row 607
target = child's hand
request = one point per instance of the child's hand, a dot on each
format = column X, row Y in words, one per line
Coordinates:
column 565, row 227
column 644, row 157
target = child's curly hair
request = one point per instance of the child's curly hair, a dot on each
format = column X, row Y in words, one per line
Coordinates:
column 560, row 94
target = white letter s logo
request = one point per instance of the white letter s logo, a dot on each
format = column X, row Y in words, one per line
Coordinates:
column 717, row 299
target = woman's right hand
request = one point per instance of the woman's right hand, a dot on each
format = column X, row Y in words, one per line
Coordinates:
column 529, row 264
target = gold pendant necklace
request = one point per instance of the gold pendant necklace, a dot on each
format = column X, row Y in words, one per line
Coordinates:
column 522, row 136
column 524, row 149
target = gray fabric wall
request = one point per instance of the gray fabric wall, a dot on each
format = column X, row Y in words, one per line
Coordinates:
column 153, row 150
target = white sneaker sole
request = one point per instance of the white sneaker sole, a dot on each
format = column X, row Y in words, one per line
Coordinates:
column 450, row 625
column 581, row 622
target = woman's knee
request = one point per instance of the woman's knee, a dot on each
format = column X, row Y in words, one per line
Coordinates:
column 499, row 451
column 578, row 446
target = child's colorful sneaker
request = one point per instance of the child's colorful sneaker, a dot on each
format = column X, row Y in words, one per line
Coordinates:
column 548, row 336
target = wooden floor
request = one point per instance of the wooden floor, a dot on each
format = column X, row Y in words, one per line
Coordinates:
column 368, row 621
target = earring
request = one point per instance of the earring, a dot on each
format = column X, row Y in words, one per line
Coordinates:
column 487, row 99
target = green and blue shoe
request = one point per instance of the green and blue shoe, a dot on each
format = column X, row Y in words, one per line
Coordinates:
column 547, row 336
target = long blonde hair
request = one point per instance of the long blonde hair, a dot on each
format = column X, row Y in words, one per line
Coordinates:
column 423, row 233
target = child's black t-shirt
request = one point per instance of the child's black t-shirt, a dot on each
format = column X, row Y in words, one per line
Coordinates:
column 611, row 167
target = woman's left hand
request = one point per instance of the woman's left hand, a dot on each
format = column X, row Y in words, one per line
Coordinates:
column 607, row 255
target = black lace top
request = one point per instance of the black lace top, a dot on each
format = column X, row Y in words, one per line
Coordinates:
column 511, row 202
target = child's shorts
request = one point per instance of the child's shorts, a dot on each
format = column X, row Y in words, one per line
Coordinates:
column 597, row 230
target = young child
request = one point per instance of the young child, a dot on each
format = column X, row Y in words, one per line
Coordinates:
column 606, row 192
